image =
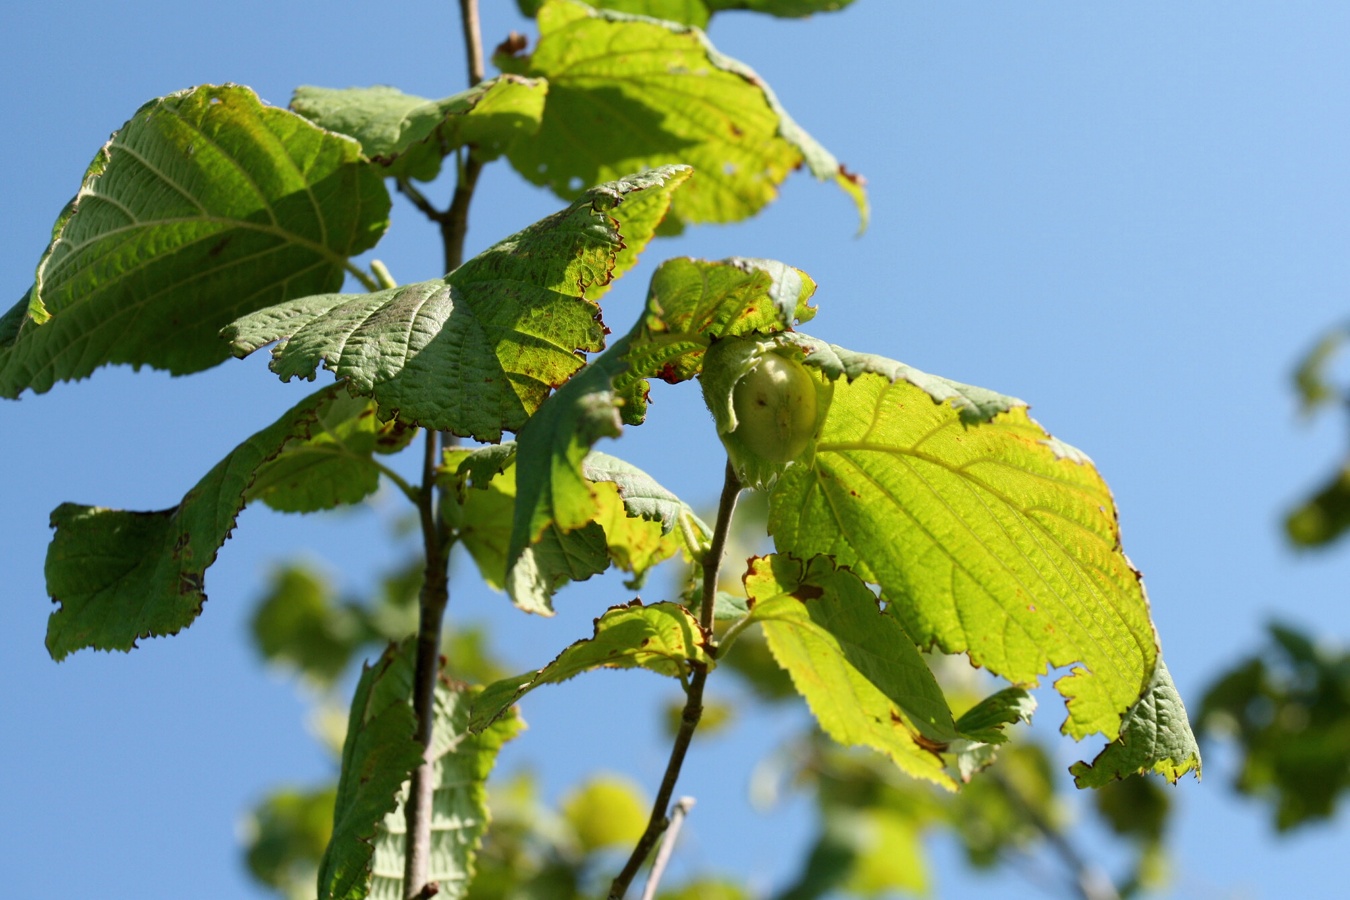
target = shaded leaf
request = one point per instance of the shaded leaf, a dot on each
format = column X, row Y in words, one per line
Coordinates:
column 120, row 576
column 663, row 638
column 462, row 762
column 1155, row 736
column 408, row 136
column 336, row 465
column 982, row 728
column 477, row 351
column 286, row 836
column 1324, row 516
column 204, row 207
column 379, row 755
column 859, row 671
column 1288, row 711
column 297, row 623
column 986, row 535
column 626, row 94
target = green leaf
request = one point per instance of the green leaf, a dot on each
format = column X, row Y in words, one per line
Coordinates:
column 1324, row 516
column 637, row 524
column 475, row 352
column 408, row 136
column 336, row 465
column 297, row 623
column 986, row 535
column 690, row 304
column 287, row 834
column 204, row 207
column 462, row 762
column 1313, row 376
column 1154, row 737
column 379, row 755
column 859, row 671
column 982, row 729
column 698, row 12
column 663, row 638
column 121, row 576
column 629, row 93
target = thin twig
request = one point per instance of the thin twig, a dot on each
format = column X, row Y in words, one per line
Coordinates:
column 473, row 40
column 435, row 596
column 455, row 224
column 677, row 815
column 693, row 706
column 1092, row 883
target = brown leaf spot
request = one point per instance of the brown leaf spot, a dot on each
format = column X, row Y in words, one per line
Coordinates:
column 852, row 177
column 806, row 592
column 514, row 45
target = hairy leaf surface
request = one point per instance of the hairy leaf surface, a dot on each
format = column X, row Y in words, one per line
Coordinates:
column 408, row 136
column 204, row 207
column 379, row 755
column 121, row 576
column 986, row 535
column 459, row 811
column 628, row 93
column 859, row 671
column 475, row 352
column 365, row 856
column 663, row 638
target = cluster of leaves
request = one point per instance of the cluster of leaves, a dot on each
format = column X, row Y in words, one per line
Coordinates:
column 922, row 514
column 1288, row 709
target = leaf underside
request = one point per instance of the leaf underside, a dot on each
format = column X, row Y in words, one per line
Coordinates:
column 204, row 207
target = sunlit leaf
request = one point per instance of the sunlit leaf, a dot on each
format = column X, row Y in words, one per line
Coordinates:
column 477, row 351
column 120, row 576
column 698, row 12
column 690, row 304
column 986, row 535
column 626, row 94
column 408, row 136
column 663, row 638
column 204, row 207
column 1154, row 737
column 859, row 671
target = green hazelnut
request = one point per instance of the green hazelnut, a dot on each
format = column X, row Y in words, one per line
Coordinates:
column 775, row 404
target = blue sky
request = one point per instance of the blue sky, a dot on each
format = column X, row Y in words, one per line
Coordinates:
column 1133, row 218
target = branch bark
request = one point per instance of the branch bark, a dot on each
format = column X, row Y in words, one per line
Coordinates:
column 693, row 706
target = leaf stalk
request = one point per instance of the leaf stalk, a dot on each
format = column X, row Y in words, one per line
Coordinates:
column 657, row 823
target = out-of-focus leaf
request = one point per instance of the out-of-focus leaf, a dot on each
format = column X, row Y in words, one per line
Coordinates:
column 1288, row 709
column 606, row 811
column 698, row 12
column 408, row 136
column 1312, row 377
column 286, row 836
column 629, row 93
column 859, row 671
column 663, row 638
column 1155, row 736
column 1324, row 516
column 121, row 576
column 477, row 351
column 982, row 728
column 297, row 623
column 204, row 207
